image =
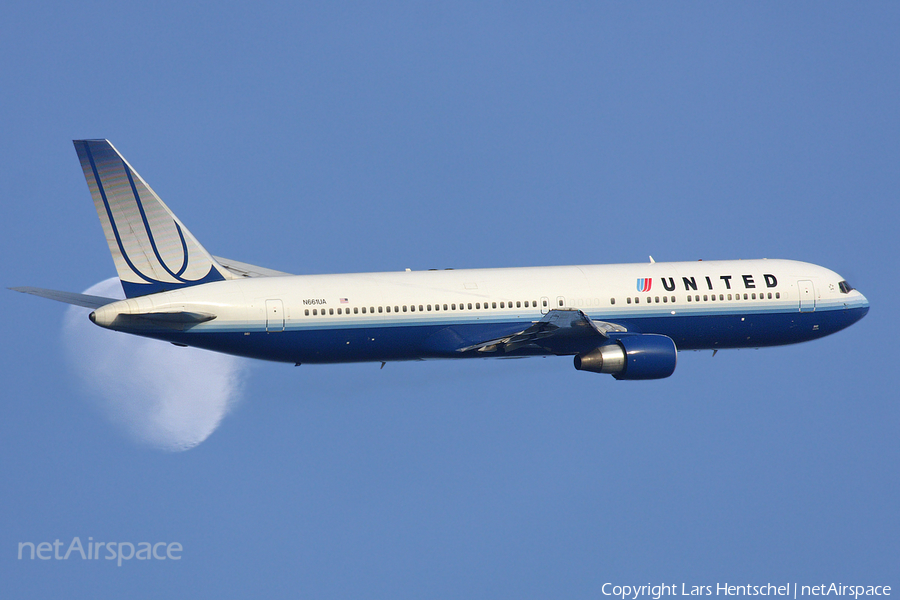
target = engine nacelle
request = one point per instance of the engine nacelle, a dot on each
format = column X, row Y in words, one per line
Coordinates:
column 632, row 357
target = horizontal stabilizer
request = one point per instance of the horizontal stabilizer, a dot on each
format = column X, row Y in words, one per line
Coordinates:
column 67, row 297
column 182, row 317
column 132, row 322
column 242, row 269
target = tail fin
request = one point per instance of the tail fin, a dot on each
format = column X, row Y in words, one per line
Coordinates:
column 152, row 250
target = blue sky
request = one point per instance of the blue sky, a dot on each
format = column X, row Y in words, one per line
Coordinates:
column 383, row 136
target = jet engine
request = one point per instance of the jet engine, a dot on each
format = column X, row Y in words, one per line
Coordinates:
column 637, row 356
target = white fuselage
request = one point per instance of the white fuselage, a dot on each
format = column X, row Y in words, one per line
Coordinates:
column 426, row 314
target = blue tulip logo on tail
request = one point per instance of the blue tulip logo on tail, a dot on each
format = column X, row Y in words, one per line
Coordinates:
column 152, row 249
column 643, row 285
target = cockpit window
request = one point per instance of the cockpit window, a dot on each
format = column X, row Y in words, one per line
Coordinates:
column 845, row 287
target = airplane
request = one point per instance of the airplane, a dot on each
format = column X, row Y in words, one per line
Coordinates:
column 627, row 320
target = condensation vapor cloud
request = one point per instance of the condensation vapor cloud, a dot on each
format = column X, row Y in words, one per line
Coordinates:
column 158, row 394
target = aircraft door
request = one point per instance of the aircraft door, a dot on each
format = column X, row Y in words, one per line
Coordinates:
column 807, row 296
column 274, row 316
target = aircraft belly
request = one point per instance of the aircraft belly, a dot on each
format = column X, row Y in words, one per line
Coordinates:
column 427, row 341
column 752, row 330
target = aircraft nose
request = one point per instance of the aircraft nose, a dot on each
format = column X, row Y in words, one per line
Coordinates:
column 862, row 305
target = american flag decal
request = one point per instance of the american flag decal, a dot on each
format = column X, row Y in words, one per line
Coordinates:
column 344, row 301
column 643, row 285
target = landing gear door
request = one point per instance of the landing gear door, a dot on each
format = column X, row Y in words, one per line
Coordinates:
column 807, row 296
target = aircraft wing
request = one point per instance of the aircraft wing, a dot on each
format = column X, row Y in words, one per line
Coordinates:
column 558, row 329
column 242, row 269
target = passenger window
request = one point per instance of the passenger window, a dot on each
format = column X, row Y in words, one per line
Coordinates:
column 612, row 300
column 388, row 309
column 628, row 300
column 315, row 312
column 665, row 299
column 420, row 308
column 493, row 304
column 306, row 312
column 445, row 307
column 330, row 311
column 396, row 309
column 777, row 295
column 470, row 306
column 404, row 308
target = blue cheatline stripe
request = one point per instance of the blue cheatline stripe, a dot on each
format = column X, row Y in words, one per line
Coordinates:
column 360, row 344
column 159, row 258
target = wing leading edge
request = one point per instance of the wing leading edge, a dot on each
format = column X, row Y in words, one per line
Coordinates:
column 559, row 331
